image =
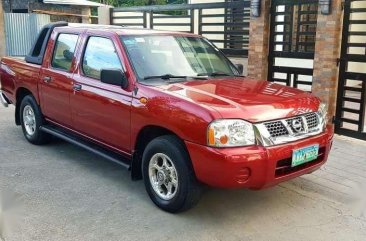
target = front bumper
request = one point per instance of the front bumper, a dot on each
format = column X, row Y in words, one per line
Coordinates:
column 255, row 167
column 3, row 99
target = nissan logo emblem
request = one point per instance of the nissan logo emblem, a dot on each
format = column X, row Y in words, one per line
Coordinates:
column 297, row 125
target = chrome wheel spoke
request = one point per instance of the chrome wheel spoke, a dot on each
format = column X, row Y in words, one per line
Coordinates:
column 169, row 187
column 157, row 167
column 155, row 184
column 165, row 163
column 174, row 180
column 160, row 182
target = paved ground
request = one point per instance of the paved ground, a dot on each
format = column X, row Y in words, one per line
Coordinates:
column 64, row 193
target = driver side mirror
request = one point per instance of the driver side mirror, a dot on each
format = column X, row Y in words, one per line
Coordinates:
column 114, row 77
column 240, row 68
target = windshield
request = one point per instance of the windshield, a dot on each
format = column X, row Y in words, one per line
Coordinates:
column 154, row 56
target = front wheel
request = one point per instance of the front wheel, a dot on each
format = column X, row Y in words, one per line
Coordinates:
column 31, row 120
column 168, row 175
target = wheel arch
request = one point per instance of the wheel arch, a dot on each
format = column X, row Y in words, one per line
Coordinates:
column 20, row 94
column 143, row 138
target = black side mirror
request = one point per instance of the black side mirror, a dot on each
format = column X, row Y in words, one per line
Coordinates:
column 114, row 77
column 240, row 68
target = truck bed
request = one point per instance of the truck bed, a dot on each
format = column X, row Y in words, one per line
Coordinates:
column 16, row 73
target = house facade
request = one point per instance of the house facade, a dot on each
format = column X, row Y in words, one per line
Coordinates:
column 76, row 11
column 21, row 20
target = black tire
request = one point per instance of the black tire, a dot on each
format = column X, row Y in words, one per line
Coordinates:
column 189, row 189
column 38, row 137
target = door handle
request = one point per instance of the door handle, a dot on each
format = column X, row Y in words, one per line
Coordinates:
column 47, row 79
column 77, row 87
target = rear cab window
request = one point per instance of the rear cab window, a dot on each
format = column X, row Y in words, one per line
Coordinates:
column 100, row 53
column 64, row 50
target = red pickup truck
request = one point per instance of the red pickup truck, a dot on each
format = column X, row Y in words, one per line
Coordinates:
column 168, row 106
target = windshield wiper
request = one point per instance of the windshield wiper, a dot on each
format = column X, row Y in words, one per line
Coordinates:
column 170, row 76
column 215, row 74
column 165, row 77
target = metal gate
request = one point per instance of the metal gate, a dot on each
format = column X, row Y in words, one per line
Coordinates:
column 224, row 23
column 21, row 29
column 351, row 102
column 292, row 42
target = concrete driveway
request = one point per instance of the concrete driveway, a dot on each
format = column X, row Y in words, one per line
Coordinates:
column 60, row 192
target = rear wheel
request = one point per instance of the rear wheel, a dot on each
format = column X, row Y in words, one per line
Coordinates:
column 168, row 175
column 31, row 120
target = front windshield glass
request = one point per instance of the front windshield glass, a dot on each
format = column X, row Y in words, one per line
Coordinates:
column 157, row 55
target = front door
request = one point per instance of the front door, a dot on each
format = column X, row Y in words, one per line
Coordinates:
column 101, row 111
column 56, row 80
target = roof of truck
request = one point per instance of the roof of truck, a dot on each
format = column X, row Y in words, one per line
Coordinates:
column 123, row 30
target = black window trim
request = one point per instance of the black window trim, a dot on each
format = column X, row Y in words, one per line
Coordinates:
column 54, row 51
column 81, row 64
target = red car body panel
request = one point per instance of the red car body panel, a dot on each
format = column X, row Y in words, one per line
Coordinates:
column 114, row 117
column 25, row 76
column 111, row 113
column 254, row 166
column 55, row 95
column 252, row 100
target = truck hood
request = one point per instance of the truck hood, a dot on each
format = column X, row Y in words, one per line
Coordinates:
column 245, row 98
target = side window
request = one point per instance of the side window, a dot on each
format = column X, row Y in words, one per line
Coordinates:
column 100, row 53
column 64, row 51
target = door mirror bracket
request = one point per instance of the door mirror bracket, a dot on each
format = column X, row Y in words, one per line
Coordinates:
column 114, row 77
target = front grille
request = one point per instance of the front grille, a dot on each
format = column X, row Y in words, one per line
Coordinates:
column 295, row 126
column 276, row 128
column 312, row 120
column 284, row 168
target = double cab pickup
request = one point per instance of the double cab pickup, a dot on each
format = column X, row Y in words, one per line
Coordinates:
column 169, row 106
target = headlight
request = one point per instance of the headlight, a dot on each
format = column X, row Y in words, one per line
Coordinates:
column 230, row 133
column 323, row 114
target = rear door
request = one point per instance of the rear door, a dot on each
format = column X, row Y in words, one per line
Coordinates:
column 56, row 82
column 99, row 110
